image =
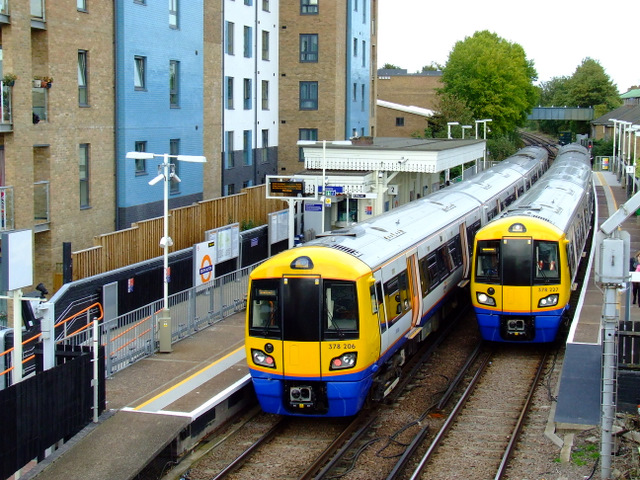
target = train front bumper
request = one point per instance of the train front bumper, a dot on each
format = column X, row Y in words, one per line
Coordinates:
column 517, row 327
column 305, row 397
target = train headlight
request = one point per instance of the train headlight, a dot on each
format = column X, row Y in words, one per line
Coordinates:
column 484, row 299
column 344, row 361
column 549, row 301
column 262, row 359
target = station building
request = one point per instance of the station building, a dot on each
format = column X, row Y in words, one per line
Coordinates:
column 365, row 176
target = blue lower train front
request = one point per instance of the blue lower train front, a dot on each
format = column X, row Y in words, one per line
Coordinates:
column 512, row 327
column 310, row 397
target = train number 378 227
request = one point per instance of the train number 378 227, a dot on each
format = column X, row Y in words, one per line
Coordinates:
column 548, row 289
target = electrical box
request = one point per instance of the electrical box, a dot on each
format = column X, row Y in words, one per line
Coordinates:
column 612, row 259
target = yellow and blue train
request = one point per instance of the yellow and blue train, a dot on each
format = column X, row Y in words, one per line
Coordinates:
column 330, row 323
column 527, row 258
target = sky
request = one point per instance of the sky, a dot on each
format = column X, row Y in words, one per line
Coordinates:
column 556, row 34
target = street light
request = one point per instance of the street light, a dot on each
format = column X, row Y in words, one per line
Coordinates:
column 613, row 153
column 464, row 127
column 449, row 125
column 485, row 126
column 166, row 172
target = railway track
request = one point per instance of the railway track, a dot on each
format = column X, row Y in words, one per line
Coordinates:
column 483, row 427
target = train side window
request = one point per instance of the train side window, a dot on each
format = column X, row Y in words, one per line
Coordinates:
column 382, row 314
column 425, row 278
column 471, row 235
column 397, row 296
column 455, row 251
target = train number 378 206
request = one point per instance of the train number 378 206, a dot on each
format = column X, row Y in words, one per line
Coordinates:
column 342, row 346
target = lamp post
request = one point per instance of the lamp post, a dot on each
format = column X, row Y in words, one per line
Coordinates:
column 464, row 127
column 449, row 125
column 166, row 173
column 484, row 121
column 613, row 153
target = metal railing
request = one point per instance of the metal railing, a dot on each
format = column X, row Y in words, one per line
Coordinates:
column 6, row 209
column 135, row 335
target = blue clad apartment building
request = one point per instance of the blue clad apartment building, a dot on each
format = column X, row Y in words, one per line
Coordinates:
column 159, row 102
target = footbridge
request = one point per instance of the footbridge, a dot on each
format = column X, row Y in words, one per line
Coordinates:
column 561, row 113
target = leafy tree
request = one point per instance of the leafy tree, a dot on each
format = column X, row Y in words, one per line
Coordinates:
column 555, row 92
column 391, row 66
column 494, row 79
column 590, row 86
column 432, row 67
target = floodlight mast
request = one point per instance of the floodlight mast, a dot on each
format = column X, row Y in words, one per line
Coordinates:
column 612, row 272
column 166, row 172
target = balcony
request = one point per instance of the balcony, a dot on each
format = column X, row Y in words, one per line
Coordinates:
column 4, row 11
column 41, row 214
column 6, row 209
column 37, row 15
column 6, row 120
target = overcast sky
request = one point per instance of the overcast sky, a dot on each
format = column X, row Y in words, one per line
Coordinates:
column 556, row 34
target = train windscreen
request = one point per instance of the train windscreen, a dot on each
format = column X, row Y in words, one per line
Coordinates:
column 517, row 261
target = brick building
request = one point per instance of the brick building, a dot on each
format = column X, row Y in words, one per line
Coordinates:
column 57, row 144
column 327, row 74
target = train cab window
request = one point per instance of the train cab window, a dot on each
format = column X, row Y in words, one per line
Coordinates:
column 264, row 308
column 340, row 310
column 516, row 261
column 488, row 261
column 546, row 260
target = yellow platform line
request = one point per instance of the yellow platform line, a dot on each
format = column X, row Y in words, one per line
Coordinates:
column 179, row 384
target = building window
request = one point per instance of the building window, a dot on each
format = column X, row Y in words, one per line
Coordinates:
column 228, row 150
column 355, row 5
column 308, row 95
column 265, row 6
column 228, row 38
column 229, row 95
column 247, row 93
column 364, row 53
column 309, row 47
column 174, row 82
column 83, row 79
column 247, row 156
column 362, row 88
column 248, row 37
column 174, row 149
column 399, row 121
column 355, row 47
column 306, row 134
column 83, row 167
column 229, row 189
column 355, row 92
column 173, row 13
column 140, row 80
column 265, row 146
column 265, row 94
column 309, row 7
column 248, row 2
column 265, row 45
column 81, row 5
column 141, row 163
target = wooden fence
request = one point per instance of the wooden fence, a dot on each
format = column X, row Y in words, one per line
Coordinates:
column 186, row 228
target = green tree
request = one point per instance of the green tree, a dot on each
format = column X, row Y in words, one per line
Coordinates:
column 590, row 86
column 494, row 79
column 432, row 67
column 391, row 66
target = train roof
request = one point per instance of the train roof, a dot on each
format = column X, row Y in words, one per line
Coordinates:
column 552, row 198
column 378, row 239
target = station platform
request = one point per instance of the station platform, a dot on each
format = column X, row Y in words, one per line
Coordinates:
column 165, row 401
column 580, row 382
column 172, row 400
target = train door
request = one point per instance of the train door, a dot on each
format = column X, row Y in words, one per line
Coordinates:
column 301, row 300
column 414, row 288
column 517, row 263
column 382, row 317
